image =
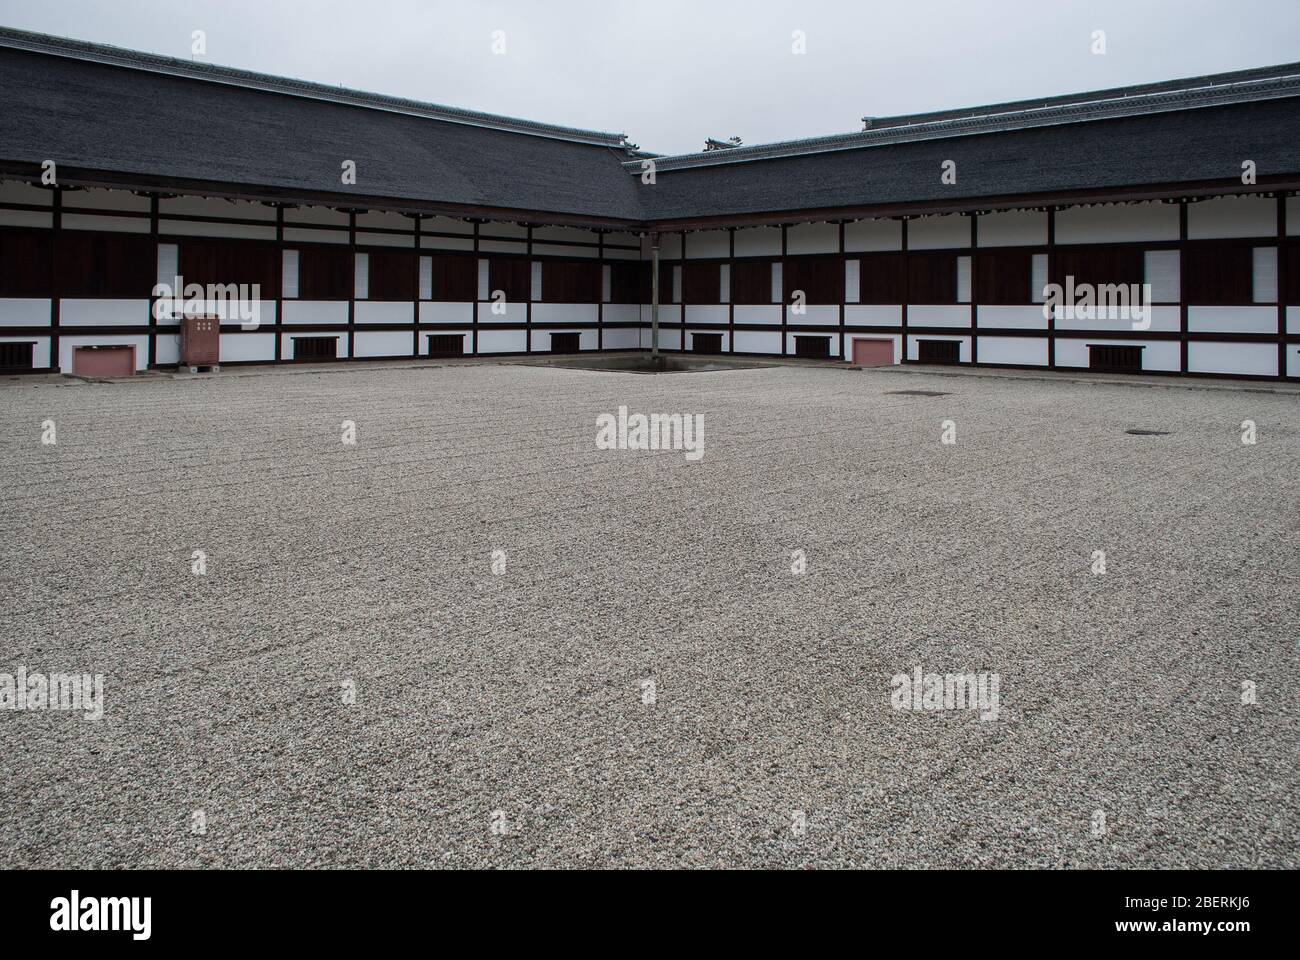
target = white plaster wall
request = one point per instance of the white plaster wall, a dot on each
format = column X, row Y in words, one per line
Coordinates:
column 27, row 313
column 812, row 238
column 1213, row 357
column 247, row 346
column 933, row 233
column 758, row 242
column 1101, row 224
column 91, row 221
column 752, row 341
column 1013, row 228
column 815, row 314
column 384, row 343
column 707, row 244
column 623, row 338
column 706, row 313
column 872, row 313
column 587, row 339
column 502, row 341
column 1019, row 350
column 1162, row 318
column 1232, row 319
column 565, row 313
column 758, row 313
column 1009, row 315
column 440, row 311
column 315, row 311
column 939, row 315
column 103, row 313
column 869, row 235
column 514, row 313
column 1232, row 217
column 622, row 313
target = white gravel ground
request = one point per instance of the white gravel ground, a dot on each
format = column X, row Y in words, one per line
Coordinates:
column 523, row 693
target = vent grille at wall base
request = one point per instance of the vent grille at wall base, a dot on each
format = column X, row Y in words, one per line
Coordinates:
column 817, row 348
column 1110, row 358
column 565, row 343
column 938, row 351
column 315, row 348
column 706, row 343
column 15, row 356
column 446, row 345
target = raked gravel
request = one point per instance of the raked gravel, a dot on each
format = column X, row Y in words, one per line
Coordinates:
column 517, row 699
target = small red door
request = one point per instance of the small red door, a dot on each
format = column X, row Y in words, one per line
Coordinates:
column 106, row 361
column 873, row 352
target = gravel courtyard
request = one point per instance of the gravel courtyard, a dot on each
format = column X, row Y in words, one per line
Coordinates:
column 500, row 719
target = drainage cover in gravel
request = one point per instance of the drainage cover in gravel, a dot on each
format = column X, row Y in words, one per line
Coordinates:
column 1148, row 433
column 916, row 393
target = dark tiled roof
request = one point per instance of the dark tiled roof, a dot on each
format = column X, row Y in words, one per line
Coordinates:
column 107, row 111
column 1187, row 146
column 93, row 116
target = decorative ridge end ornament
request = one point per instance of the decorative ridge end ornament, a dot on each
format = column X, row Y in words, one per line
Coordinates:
column 212, row 73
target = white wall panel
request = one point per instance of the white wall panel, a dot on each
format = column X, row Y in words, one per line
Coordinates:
column 778, row 291
column 379, row 311
column 812, row 238
column 963, row 280
column 103, row 313
column 1161, row 318
column 26, row 218
column 1018, row 317
column 1163, row 271
column 247, row 346
column 757, row 313
column 514, row 313
column 322, row 216
column 386, row 240
column 1293, row 319
column 622, row 312
column 668, row 339
column 26, row 313
column 1026, row 351
column 503, row 246
column 502, row 341
column 852, row 280
column 382, row 343
column 436, row 311
column 1013, row 228
column 484, row 280
column 1117, row 223
column 1293, row 216
column 216, row 207
column 623, row 338
column 758, row 242
column 1265, row 274
column 13, row 191
column 751, row 341
column 706, row 313
column 938, row 315
column 1232, row 319
column 565, row 313
column 873, row 313
column 315, row 311
column 293, row 235
column 288, row 273
column 724, row 283
column 708, row 244
column 931, row 233
column 446, row 243
column 1253, row 358
column 535, row 280
column 868, row 235
column 361, row 275
column 88, row 221
column 815, row 314
column 194, row 228
column 385, row 220
column 1038, row 278
column 106, row 200
column 555, row 250
column 1232, row 217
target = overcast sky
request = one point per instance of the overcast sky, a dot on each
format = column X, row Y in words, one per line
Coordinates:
column 671, row 72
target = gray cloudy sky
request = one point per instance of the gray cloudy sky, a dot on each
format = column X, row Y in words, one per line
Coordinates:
column 671, row 72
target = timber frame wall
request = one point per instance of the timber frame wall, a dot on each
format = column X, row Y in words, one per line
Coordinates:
column 1255, row 338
